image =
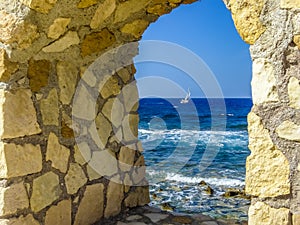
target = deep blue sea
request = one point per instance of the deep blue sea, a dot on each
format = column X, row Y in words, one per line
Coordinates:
column 184, row 144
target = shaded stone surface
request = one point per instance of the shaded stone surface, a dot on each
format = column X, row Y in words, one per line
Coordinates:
column 131, row 97
column 132, row 223
column 136, row 28
column 182, row 220
column 91, row 206
column 45, row 191
column 58, row 28
column 134, row 217
column 209, row 223
column 88, row 77
column 75, row 178
column 17, row 114
column 103, row 127
column 110, row 87
column 57, row 153
column 140, row 171
column 86, row 3
column 71, row 38
column 97, row 42
column 114, row 111
column 159, row 9
column 130, row 127
column 82, row 153
column 43, row 6
column 93, row 132
column 13, row 198
column 104, row 163
column 124, row 75
column 84, row 104
column 7, row 24
column 126, row 158
column 114, row 196
column 50, row 109
column 27, row 220
column 92, row 174
column 19, row 160
column 138, row 198
column 59, row 214
column 67, row 130
column 24, row 34
column 67, row 79
column 38, row 73
column 154, row 216
column 128, row 8
column 7, row 68
column 103, row 11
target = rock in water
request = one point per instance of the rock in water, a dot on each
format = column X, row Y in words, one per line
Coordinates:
column 167, row 207
column 202, row 183
column 234, row 192
column 209, row 190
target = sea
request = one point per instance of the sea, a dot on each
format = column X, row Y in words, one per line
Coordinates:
column 186, row 144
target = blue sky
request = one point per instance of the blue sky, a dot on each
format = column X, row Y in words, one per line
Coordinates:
column 206, row 28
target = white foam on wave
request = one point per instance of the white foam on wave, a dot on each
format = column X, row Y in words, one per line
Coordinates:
column 229, row 114
column 191, row 136
column 212, row 181
column 192, row 132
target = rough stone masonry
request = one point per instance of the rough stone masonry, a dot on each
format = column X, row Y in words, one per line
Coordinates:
column 62, row 119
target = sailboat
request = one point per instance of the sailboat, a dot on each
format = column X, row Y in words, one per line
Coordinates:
column 187, row 98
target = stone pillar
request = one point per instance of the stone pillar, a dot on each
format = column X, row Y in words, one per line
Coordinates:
column 272, row 177
column 69, row 152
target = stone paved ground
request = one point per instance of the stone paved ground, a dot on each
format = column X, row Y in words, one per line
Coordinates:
column 152, row 216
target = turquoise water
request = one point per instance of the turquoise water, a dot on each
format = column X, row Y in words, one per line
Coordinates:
column 187, row 143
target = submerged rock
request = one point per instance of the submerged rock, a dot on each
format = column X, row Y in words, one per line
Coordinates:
column 209, row 190
column 205, row 187
column 155, row 197
column 234, row 192
column 202, row 183
column 175, row 188
column 167, row 207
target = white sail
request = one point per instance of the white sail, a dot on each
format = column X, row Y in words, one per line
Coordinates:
column 187, row 98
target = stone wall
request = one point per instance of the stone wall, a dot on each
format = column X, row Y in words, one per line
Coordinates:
column 69, row 150
column 272, row 171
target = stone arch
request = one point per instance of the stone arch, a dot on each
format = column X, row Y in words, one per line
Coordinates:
column 48, row 46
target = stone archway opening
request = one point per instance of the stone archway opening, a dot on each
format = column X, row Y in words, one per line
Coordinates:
column 161, row 114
